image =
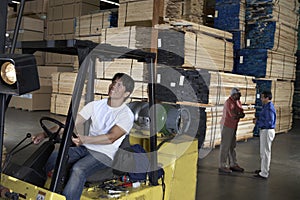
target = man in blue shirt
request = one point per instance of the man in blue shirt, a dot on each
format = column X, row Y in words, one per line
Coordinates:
column 266, row 123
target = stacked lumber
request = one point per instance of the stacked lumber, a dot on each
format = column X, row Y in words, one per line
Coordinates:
column 61, row 17
column 128, row 14
column 60, row 103
column 63, row 82
column 206, row 52
column 201, row 86
column 107, row 69
column 196, row 46
column 133, row 37
column 272, row 25
column 284, row 119
column 280, row 11
column 269, row 52
column 61, row 60
column 213, row 127
column 230, row 15
column 204, row 47
column 62, row 89
column 31, row 29
column 264, row 63
column 139, row 92
column 272, row 35
column 210, row 90
column 178, row 84
column 191, row 10
column 283, row 92
column 222, row 83
column 92, row 24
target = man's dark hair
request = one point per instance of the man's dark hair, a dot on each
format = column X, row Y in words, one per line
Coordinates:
column 127, row 81
column 267, row 94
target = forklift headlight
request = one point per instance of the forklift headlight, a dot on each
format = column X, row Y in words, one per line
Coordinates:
column 8, row 73
column 19, row 74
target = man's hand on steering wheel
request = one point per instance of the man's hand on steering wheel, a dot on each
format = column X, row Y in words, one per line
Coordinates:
column 52, row 132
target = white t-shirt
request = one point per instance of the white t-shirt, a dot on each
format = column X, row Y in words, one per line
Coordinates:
column 103, row 118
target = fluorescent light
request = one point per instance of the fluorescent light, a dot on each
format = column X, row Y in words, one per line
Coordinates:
column 15, row 2
column 114, row 3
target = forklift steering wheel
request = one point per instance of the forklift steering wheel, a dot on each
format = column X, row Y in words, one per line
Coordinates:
column 47, row 131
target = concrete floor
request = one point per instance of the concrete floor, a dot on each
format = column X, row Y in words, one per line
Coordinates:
column 283, row 183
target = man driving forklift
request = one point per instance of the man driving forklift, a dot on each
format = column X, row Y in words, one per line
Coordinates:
column 111, row 120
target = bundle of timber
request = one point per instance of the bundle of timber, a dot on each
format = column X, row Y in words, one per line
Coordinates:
column 202, row 47
column 45, row 73
column 263, row 63
column 38, row 7
column 222, row 83
column 281, row 11
column 271, row 35
column 207, row 52
column 191, row 10
column 60, row 103
column 139, row 92
column 92, row 24
column 129, row 16
column 133, row 37
column 63, row 82
column 284, row 119
column 213, row 129
column 230, row 15
column 201, row 86
column 171, row 47
column 61, row 60
column 282, row 92
column 31, row 29
column 107, row 69
column 178, row 84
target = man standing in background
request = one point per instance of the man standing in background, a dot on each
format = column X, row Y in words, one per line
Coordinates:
column 266, row 123
column 232, row 113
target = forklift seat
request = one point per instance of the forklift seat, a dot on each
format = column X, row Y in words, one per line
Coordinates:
column 122, row 158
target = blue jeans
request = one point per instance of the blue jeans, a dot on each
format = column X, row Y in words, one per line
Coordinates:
column 83, row 164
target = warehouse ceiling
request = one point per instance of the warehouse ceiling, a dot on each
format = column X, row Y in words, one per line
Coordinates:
column 109, row 4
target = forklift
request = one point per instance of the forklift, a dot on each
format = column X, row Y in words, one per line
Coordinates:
column 19, row 76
